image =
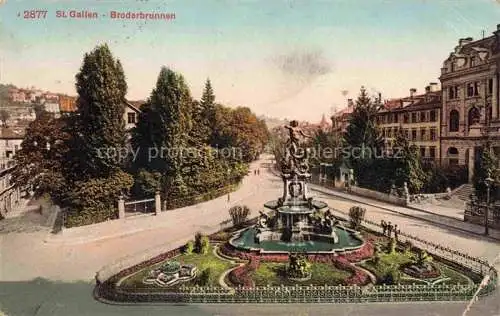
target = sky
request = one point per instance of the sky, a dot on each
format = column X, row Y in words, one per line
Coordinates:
column 287, row 59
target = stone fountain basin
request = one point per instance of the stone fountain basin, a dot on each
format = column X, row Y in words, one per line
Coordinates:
column 273, row 205
column 348, row 240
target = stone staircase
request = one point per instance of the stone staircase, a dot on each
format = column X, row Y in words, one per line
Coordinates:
column 463, row 192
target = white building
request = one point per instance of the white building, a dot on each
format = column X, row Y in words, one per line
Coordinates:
column 10, row 141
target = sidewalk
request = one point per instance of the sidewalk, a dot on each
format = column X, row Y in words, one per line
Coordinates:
column 429, row 215
column 186, row 216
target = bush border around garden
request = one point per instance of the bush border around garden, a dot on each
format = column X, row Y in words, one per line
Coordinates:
column 109, row 292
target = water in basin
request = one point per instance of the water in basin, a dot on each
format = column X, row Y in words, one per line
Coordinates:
column 346, row 240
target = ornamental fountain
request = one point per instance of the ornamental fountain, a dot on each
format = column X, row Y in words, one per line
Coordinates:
column 296, row 221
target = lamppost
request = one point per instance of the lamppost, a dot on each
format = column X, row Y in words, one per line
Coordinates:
column 488, row 181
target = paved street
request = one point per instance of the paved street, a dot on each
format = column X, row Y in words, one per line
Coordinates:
column 42, row 277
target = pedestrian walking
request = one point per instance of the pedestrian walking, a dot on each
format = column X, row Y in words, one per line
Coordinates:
column 384, row 227
column 228, row 198
column 396, row 232
column 389, row 229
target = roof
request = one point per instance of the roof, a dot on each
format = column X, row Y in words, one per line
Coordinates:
column 138, row 104
column 134, row 105
column 418, row 102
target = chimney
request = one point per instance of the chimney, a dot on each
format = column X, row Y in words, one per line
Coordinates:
column 412, row 92
column 463, row 41
column 433, row 86
column 350, row 104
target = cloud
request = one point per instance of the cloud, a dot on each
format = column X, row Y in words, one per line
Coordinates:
column 297, row 70
column 303, row 64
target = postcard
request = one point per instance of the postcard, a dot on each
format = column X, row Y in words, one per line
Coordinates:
column 249, row 157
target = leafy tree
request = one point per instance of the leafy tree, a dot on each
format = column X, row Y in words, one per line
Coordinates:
column 40, row 161
column 146, row 183
column 93, row 201
column 487, row 167
column 407, row 165
column 4, row 117
column 99, row 125
column 163, row 131
column 241, row 129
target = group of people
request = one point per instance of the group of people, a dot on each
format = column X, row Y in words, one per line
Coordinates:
column 388, row 229
column 256, row 172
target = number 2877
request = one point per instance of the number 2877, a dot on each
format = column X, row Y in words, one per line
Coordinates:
column 35, row 14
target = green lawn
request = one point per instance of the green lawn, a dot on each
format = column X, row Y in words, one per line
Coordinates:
column 273, row 274
column 202, row 262
column 386, row 261
column 398, row 258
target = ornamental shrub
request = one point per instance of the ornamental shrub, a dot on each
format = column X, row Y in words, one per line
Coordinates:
column 205, row 245
column 189, row 247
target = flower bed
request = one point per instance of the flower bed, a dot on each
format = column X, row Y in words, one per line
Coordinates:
column 242, row 275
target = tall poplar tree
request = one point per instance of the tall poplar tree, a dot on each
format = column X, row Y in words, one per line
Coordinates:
column 99, row 129
column 163, row 131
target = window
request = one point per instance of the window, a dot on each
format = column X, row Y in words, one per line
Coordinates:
column 454, row 121
column 413, row 134
column 472, row 89
column 433, row 134
column 131, row 118
column 474, row 116
column 407, row 133
column 453, row 92
column 423, row 134
column 422, row 116
column 473, row 61
column 432, row 152
column 490, row 86
column 396, row 118
column 406, row 118
column 433, row 117
column 422, row 151
column 414, row 117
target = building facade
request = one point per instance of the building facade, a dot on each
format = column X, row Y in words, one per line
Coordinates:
column 10, row 195
column 470, row 109
column 418, row 117
column 10, row 141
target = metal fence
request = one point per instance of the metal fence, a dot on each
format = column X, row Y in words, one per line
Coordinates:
column 332, row 294
column 306, row 294
column 134, row 208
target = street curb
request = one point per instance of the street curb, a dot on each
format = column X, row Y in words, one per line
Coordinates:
column 407, row 215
